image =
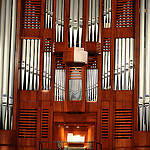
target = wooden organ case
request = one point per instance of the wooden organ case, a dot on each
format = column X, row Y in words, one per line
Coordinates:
column 55, row 95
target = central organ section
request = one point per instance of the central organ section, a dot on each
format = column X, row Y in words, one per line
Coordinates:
column 77, row 65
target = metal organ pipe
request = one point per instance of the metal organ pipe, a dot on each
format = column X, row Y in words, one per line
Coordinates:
column 7, row 58
column 75, row 23
column 30, row 63
column 59, row 85
column 47, row 71
column 106, row 66
column 48, row 14
column 107, row 13
column 124, row 64
column 93, row 21
column 144, row 67
column 92, row 84
column 59, row 20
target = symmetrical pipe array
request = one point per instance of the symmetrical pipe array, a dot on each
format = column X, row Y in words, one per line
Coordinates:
column 59, row 86
column 144, row 67
column 92, row 85
column 75, row 23
column 48, row 14
column 106, row 70
column 30, row 64
column 59, row 20
column 107, row 14
column 7, row 59
column 124, row 64
column 47, row 71
column 93, row 21
column 75, row 89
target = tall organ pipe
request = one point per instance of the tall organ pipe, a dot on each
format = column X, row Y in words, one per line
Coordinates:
column 144, row 67
column 12, row 62
column 7, row 58
column 2, row 33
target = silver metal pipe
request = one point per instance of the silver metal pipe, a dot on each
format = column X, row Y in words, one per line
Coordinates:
column 127, row 63
column 103, row 70
column 56, row 20
column 131, row 64
column 38, row 65
column 6, row 64
column 35, row 64
column 44, row 71
column 2, row 34
column 109, row 64
column 123, row 64
column 89, row 21
column 119, row 64
column 80, row 21
column 55, row 87
column 71, row 22
column 23, row 61
column 12, row 62
column 97, row 20
column 49, row 71
column 147, row 64
column 116, row 64
column 93, row 20
column 104, row 13
column 141, row 64
column 75, row 21
column 46, row 13
column 62, row 21
column 31, row 65
column 106, row 71
column 27, row 64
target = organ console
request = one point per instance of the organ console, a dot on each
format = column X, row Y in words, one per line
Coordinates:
column 78, row 68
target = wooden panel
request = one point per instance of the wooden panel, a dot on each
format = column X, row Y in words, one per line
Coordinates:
column 44, row 124
column 58, row 106
column 28, row 95
column 123, row 125
column 75, row 118
column 7, row 137
column 48, row 44
column 91, row 106
column 105, row 94
column 105, row 123
column 142, row 138
column 59, row 61
column 123, row 95
column 60, row 47
column 27, row 123
column 30, row 34
column 27, row 127
column 8, row 148
column 75, row 106
column 32, row 14
column 124, row 13
column 93, row 47
column 92, row 61
column 75, row 72
column 106, row 44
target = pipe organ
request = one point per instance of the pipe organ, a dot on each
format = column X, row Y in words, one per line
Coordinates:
column 74, row 67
